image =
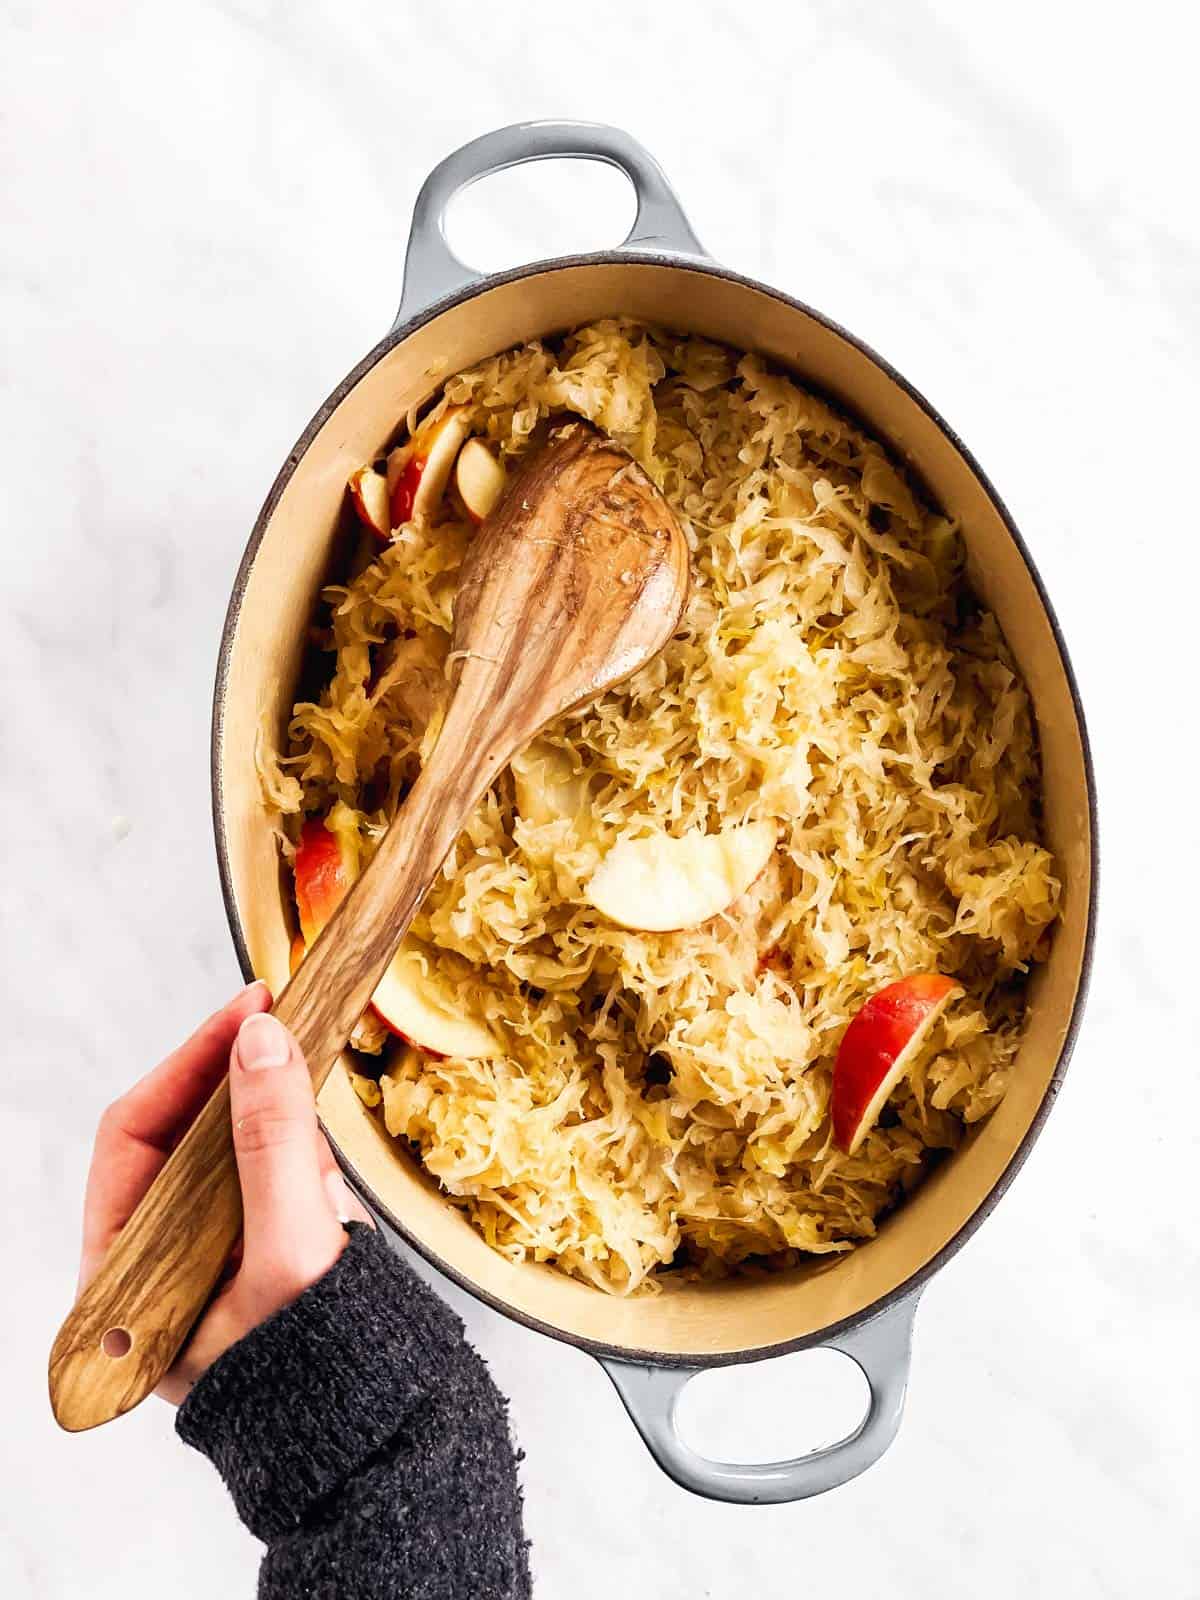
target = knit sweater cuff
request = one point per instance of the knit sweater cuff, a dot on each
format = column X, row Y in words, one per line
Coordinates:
column 294, row 1409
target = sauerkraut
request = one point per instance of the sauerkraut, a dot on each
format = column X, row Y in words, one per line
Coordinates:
column 663, row 1098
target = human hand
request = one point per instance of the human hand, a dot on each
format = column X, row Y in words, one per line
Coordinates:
column 293, row 1197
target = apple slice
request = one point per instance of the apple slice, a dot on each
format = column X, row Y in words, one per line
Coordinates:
column 547, row 786
column 418, row 1005
column 369, row 491
column 420, row 470
column 404, row 475
column 439, row 449
column 411, row 999
column 878, row 1048
column 479, row 478
column 324, row 867
column 658, row 884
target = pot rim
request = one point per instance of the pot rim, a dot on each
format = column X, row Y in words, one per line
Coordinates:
column 627, row 258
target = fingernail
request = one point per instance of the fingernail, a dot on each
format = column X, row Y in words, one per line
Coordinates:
column 263, row 1041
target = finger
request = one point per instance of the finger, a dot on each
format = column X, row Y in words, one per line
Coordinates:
column 326, row 1159
column 137, row 1131
column 347, row 1207
column 166, row 1100
column 289, row 1228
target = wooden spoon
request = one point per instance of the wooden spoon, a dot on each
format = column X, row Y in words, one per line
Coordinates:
column 574, row 581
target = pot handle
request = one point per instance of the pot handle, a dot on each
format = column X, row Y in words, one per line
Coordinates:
column 881, row 1348
column 432, row 270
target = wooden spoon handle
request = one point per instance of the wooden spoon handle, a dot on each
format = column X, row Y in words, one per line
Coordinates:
column 131, row 1320
column 128, row 1324
column 574, row 580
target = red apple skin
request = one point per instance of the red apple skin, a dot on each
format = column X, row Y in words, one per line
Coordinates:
column 441, row 440
column 404, row 490
column 323, row 874
column 422, row 1049
column 878, row 1046
column 360, row 505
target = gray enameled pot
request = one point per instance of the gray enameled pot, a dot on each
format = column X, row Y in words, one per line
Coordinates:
column 862, row 1303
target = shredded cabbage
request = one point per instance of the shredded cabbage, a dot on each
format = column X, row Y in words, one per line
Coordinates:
column 664, row 1101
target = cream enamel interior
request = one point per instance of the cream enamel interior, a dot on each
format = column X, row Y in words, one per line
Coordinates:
column 264, row 657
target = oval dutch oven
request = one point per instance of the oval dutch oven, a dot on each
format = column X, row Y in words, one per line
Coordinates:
column 861, row 1303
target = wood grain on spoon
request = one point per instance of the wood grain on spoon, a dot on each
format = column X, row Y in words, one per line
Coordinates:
column 575, row 580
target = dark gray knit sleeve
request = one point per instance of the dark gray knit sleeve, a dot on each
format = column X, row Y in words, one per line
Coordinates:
column 365, row 1442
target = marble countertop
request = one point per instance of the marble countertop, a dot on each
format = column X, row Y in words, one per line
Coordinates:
column 205, row 209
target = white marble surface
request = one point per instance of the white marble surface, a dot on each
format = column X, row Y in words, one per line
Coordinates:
column 205, row 207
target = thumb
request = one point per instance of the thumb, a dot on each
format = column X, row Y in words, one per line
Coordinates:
column 290, row 1232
